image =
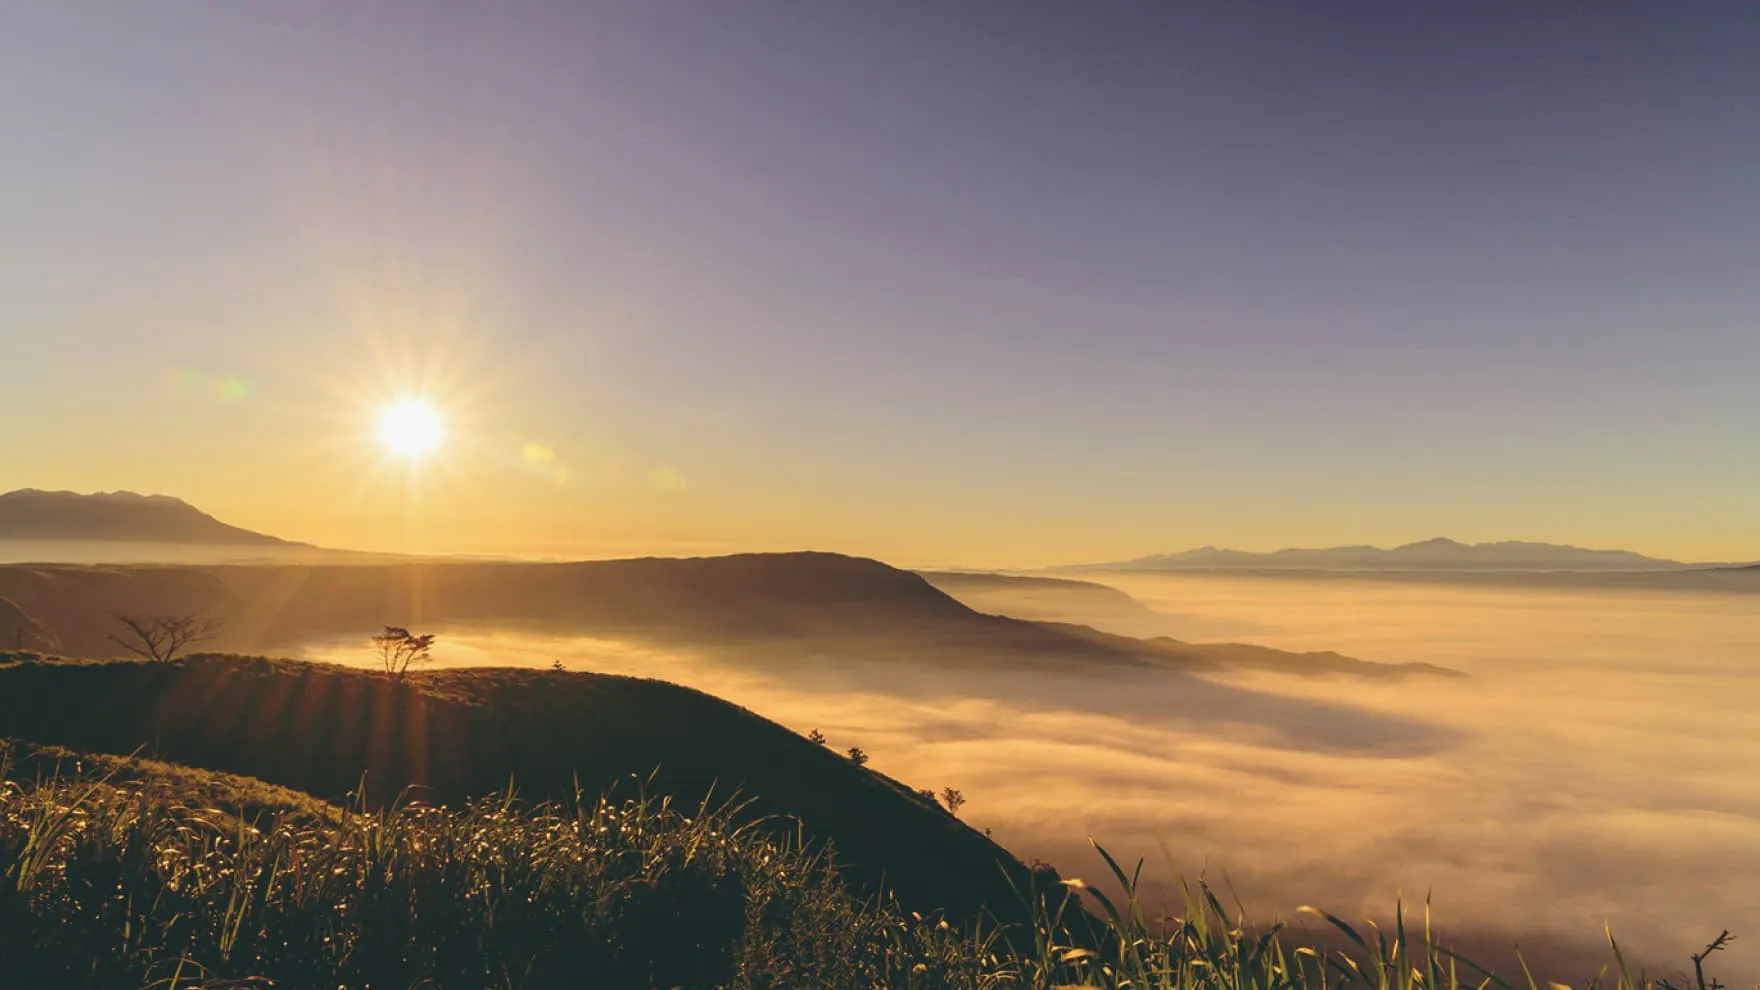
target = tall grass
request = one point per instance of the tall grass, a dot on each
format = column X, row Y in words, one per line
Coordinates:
column 109, row 886
column 117, row 885
column 1209, row 948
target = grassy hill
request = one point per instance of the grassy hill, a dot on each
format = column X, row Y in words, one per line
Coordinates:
column 458, row 735
column 244, row 798
column 123, row 875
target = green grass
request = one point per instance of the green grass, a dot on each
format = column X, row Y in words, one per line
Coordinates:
column 112, row 878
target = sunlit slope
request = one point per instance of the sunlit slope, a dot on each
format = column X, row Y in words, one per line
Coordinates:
column 246, row 797
column 20, row 631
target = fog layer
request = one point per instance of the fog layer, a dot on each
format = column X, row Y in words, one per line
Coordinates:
column 1598, row 766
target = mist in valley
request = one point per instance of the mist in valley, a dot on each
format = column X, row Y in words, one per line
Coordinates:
column 1596, row 767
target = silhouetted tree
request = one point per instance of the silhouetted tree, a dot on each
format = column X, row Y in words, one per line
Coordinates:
column 816, row 736
column 399, row 649
column 1718, row 944
column 161, row 637
column 857, row 757
column 556, row 664
column 953, row 799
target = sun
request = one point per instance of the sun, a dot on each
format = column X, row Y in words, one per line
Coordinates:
column 411, row 429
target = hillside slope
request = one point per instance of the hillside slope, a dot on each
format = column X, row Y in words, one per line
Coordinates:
column 460, row 734
column 19, row 630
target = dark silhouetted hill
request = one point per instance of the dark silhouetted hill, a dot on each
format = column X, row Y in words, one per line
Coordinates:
column 771, row 608
column 32, row 515
column 270, row 605
column 459, row 734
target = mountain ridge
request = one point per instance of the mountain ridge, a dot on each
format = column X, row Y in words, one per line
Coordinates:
column 745, row 605
column 34, row 514
column 1435, row 554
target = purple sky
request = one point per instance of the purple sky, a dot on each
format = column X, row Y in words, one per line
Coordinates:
column 986, row 282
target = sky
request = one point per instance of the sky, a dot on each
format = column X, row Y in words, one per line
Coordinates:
column 993, row 283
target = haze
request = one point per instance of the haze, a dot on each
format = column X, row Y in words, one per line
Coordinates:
column 1596, row 769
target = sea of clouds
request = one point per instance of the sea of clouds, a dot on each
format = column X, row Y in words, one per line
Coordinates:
column 1601, row 766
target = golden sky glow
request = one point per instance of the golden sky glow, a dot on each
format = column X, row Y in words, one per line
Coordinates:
column 926, row 307
column 313, row 443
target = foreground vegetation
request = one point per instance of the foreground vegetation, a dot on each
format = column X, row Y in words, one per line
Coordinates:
column 111, row 878
column 353, row 736
column 123, row 885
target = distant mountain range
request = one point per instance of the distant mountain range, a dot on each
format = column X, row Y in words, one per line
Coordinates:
column 785, row 611
column 32, row 515
column 1428, row 555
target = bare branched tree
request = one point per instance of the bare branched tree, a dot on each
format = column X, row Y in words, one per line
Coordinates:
column 399, row 649
column 858, row 757
column 161, row 637
column 1718, row 944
